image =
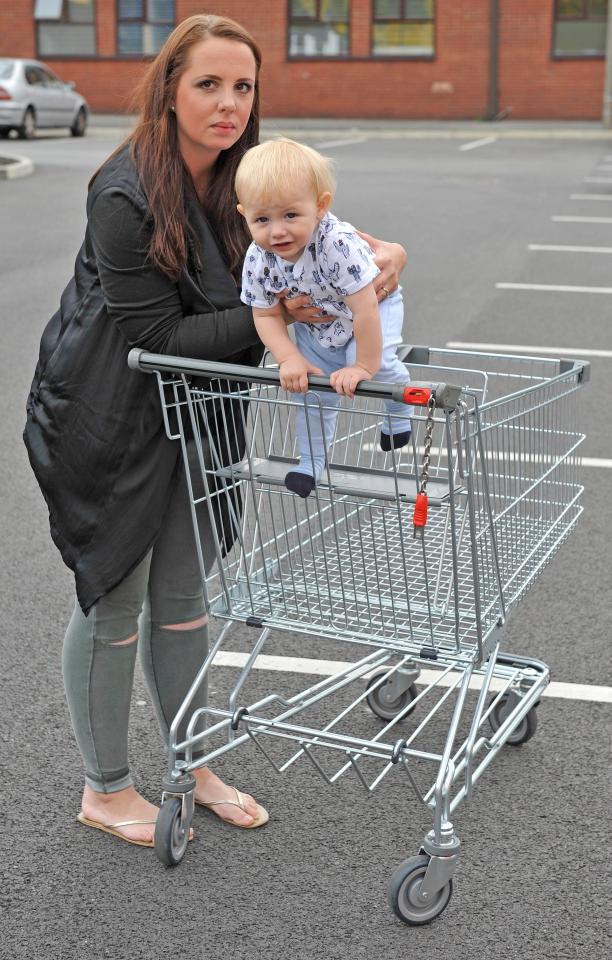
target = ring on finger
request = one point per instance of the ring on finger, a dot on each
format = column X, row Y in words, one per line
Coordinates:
column 386, row 291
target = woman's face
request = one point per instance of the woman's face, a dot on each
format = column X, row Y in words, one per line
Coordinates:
column 214, row 97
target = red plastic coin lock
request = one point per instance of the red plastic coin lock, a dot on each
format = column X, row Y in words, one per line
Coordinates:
column 417, row 395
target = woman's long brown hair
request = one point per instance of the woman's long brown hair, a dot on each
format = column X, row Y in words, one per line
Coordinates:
column 156, row 154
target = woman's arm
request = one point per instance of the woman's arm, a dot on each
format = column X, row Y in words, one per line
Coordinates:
column 390, row 258
column 143, row 302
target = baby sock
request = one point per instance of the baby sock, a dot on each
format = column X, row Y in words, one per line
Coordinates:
column 393, row 441
column 307, row 474
column 301, row 483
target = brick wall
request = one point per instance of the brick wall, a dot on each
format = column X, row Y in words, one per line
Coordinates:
column 454, row 85
column 17, row 28
column 531, row 83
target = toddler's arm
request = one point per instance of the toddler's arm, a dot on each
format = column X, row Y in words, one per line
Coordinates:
column 293, row 367
column 368, row 338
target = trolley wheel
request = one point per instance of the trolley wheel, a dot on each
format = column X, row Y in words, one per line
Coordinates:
column 383, row 703
column 404, row 893
column 171, row 833
column 526, row 728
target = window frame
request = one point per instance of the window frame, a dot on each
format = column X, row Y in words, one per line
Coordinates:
column 335, row 58
column 64, row 19
column 556, row 18
column 143, row 20
column 386, row 58
column 586, row 5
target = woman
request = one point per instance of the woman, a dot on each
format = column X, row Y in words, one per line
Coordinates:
column 158, row 269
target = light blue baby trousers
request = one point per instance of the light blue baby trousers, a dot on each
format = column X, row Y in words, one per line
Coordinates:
column 315, row 424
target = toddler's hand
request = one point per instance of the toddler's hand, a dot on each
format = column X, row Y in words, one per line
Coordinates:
column 294, row 374
column 345, row 381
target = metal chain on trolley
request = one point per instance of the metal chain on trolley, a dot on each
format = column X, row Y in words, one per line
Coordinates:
column 419, row 517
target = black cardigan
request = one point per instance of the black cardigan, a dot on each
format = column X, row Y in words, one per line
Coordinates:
column 94, row 429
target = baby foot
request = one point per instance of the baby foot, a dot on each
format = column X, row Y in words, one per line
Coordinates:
column 301, row 483
column 394, row 441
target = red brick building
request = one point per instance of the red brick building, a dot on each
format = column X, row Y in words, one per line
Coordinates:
column 442, row 59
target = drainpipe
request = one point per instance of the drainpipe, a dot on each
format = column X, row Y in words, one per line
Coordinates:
column 607, row 100
column 493, row 104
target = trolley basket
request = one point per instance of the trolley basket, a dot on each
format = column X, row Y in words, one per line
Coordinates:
column 418, row 556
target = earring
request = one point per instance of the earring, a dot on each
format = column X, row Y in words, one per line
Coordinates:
column 173, row 108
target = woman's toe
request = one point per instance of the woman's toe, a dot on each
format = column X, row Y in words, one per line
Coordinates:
column 250, row 805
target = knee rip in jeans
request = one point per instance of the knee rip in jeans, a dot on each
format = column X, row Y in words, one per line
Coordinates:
column 123, row 643
column 190, row 625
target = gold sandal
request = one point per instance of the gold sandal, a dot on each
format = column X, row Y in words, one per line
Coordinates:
column 113, row 829
column 259, row 820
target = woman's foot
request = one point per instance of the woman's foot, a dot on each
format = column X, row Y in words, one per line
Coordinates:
column 210, row 788
column 110, row 808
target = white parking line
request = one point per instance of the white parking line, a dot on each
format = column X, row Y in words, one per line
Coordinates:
column 473, row 144
column 557, row 248
column 597, row 180
column 591, row 196
column 597, row 462
column 582, row 219
column 552, row 287
column 327, row 668
column 528, row 349
column 327, row 144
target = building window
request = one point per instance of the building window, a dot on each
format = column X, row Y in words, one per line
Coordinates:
column 319, row 28
column 403, row 28
column 143, row 26
column 65, row 27
column 580, row 28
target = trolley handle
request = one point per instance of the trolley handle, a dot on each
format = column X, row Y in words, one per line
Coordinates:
column 412, row 393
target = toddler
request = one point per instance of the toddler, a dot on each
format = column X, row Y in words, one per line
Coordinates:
column 285, row 190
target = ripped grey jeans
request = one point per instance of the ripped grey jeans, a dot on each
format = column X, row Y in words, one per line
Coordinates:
column 99, row 654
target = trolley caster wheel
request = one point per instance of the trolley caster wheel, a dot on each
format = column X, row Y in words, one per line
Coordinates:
column 171, row 832
column 405, row 893
column 384, row 701
column 526, row 728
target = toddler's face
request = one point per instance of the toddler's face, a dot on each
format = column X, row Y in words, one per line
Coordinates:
column 285, row 226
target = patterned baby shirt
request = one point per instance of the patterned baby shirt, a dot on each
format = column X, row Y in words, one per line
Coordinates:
column 335, row 263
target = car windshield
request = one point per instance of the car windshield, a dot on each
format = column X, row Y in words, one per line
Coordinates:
column 6, row 68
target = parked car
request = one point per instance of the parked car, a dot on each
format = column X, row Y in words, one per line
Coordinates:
column 32, row 97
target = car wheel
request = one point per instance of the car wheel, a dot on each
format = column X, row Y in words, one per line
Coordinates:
column 79, row 126
column 27, row 130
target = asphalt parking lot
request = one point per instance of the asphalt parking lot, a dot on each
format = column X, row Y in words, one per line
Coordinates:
column 510, row 243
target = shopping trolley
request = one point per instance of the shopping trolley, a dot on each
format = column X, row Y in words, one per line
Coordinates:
column 418, row 556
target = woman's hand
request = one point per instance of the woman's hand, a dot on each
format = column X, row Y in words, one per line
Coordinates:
column 300, row 309
column 390, row 258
